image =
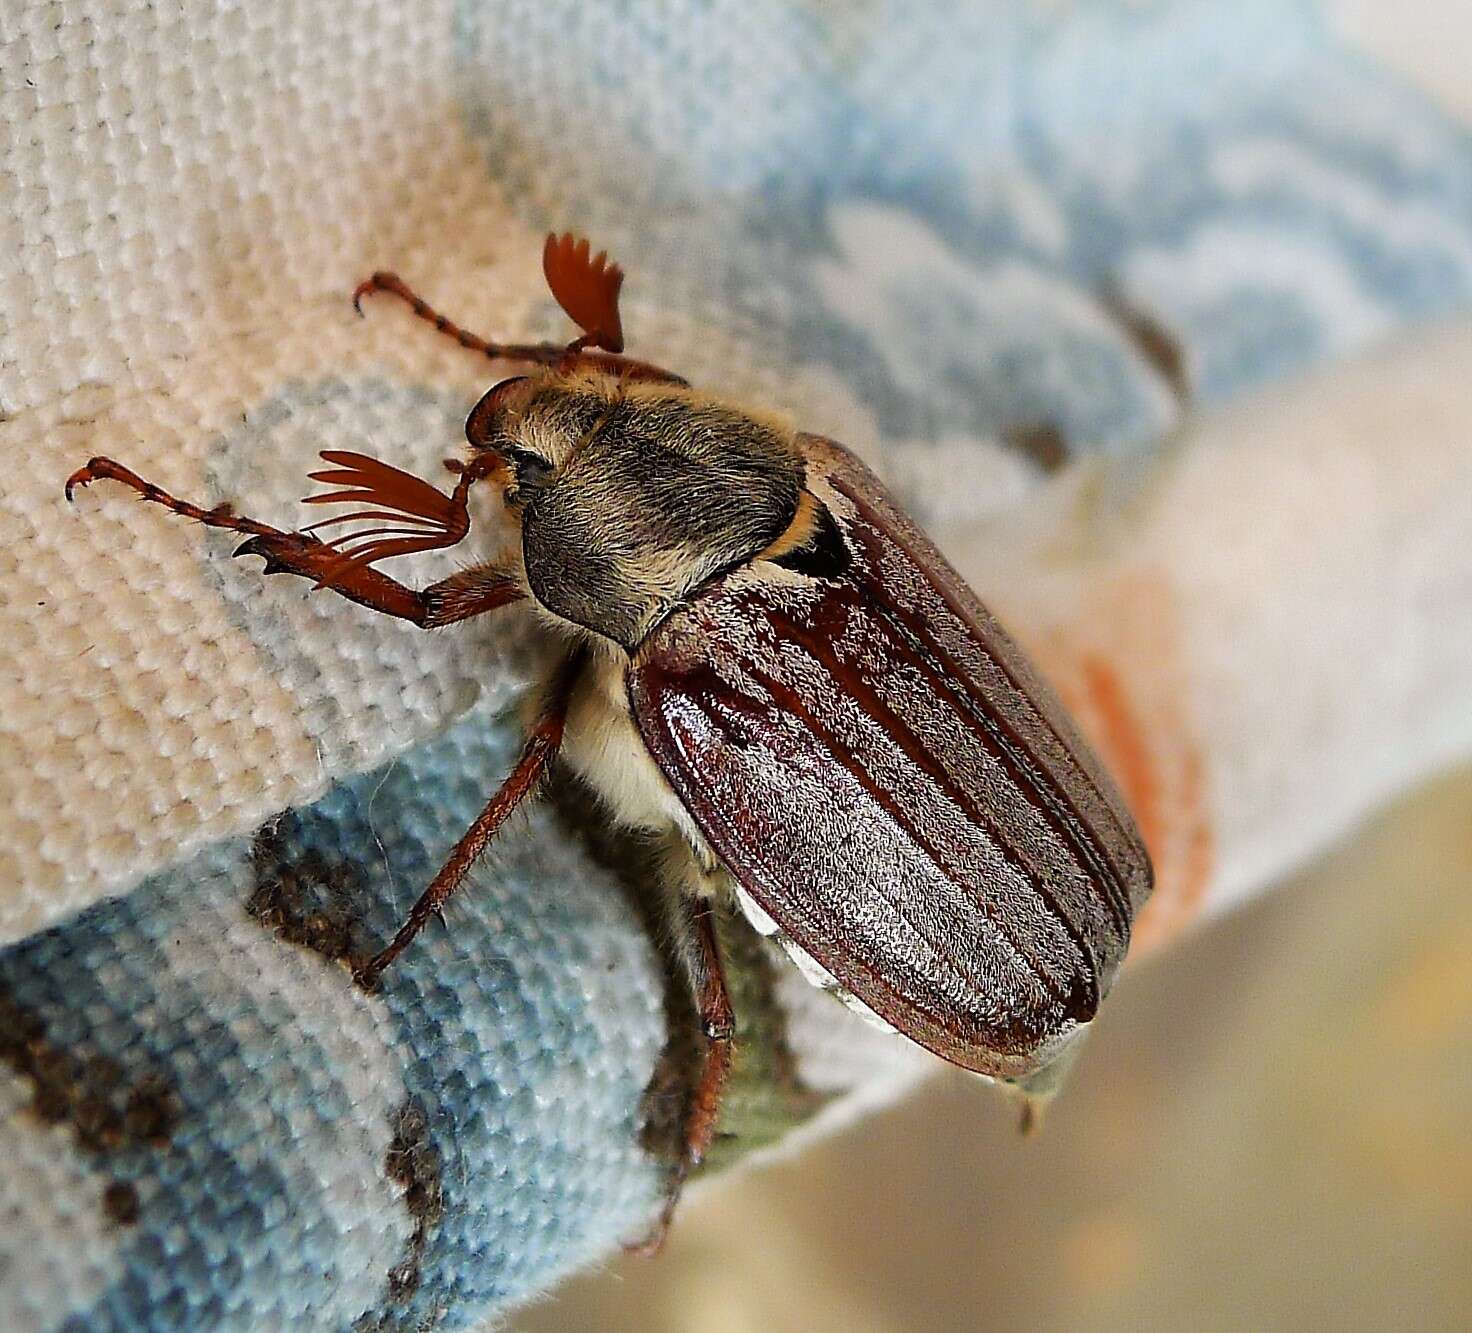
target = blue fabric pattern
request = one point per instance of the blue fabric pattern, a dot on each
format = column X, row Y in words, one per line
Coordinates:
column 288, row 1152
column 932, row 198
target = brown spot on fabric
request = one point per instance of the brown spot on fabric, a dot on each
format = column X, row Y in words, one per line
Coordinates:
column 1041, row 441
column 105, row 1073
column 89, row 1090
column 307, row 900
column 1154, row 342
column 100, row 1125
column 109, row 1112
column 120, row 1202
column 18, row 1027
column 52, row 1102
column 414, row 1162
column 151, row 1112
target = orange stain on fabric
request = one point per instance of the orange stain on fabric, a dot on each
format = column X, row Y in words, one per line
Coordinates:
column 1120, row 671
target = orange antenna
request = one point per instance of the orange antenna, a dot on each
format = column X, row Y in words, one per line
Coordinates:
column 421, row 517
column 587, row 287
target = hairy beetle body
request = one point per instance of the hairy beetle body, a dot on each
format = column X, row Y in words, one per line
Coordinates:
column 603, row 745
column 772, row 668
column 630, row 496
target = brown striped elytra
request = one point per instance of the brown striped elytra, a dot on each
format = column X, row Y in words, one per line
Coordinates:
column 770, row 667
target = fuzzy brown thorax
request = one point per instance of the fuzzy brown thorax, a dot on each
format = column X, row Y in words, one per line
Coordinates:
column 631, row 495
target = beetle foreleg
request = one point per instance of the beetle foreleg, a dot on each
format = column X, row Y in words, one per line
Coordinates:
column 471, row 592
column 468, row 593
column 106, row 469
column 542, row 744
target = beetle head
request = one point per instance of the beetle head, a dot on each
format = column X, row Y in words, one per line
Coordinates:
column 631, row 495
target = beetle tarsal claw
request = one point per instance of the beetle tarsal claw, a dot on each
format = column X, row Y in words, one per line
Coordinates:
column 366, row 977
column 253, row 547
column 80, row 478
column 284, row 552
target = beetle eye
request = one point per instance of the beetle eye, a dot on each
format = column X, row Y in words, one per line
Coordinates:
column 531, row 468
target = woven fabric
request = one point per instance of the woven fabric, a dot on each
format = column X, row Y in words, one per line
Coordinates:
column 1007, row 251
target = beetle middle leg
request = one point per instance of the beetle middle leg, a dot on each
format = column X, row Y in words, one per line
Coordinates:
column 542, row 744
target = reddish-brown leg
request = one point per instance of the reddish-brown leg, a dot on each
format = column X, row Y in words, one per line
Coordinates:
column 702, row 956
column 546, row 354
column 564, row 357
column 541, row 745
column 717, row 1025
column 468, row 593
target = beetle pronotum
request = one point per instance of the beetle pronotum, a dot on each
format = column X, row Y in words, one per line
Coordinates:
column 768, row 665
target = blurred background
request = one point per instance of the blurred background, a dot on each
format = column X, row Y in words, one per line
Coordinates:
column 1268, row 1131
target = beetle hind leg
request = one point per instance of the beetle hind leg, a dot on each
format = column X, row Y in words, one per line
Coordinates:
column 695, row 925
column 717, row 1026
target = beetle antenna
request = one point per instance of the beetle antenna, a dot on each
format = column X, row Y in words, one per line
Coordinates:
column 586, row 286
column 423, row 518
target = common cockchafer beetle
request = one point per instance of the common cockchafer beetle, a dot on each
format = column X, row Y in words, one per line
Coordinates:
column 771, row 668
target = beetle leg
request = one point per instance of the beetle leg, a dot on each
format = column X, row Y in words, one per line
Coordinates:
column 542, row 744
column 717, row 1025
column 99, row 469
column 1153, row 340
column 546, row 354
column 566, row 358
column 468, row 593
column 702, row 957
column 471, row 592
